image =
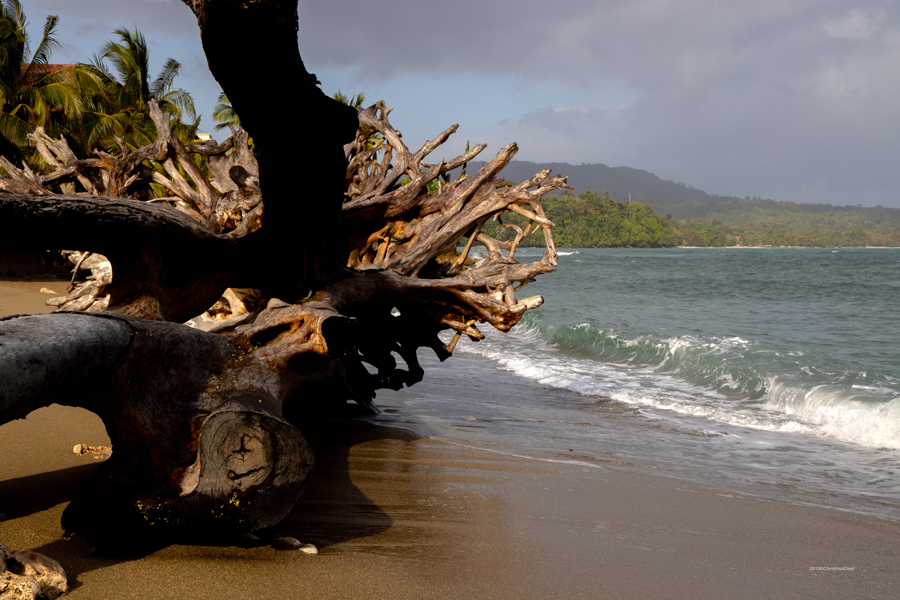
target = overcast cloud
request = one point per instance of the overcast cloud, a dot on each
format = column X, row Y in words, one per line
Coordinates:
column 788, row 99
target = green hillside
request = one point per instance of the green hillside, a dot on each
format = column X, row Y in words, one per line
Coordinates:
column 787, row 224
column 700, row 219
column 592, row 220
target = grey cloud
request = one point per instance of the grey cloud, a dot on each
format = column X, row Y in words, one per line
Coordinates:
column 788, row 98
column 158, row 16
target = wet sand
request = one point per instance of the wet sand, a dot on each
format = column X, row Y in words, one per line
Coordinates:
column 398, row 514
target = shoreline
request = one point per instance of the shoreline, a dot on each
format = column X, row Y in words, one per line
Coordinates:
column 729, row 247
column 398, row 513
column 798, row 247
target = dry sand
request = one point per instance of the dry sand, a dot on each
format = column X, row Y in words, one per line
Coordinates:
column 398, row 515
column 24, row 296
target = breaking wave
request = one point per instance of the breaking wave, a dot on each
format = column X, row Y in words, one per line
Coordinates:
column 723, row 380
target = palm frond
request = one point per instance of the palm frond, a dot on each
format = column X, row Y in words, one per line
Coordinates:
column 64, row 97
column 163, row 81
column 100, row 67
column 14, row 129
column 17, row 16
column 48, row 43
column 354, row 101
column 14, row 36
column 5, row 92
column 224, row 114
column 180, row 99
column 130, row 60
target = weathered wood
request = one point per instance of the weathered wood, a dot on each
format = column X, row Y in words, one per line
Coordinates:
column 146, row 242
column 345, row 244
column 199, row 437
column 30, row 576
column 89, row 294
column 55, row 360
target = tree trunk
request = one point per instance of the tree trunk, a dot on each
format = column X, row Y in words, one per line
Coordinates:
column 191, row 448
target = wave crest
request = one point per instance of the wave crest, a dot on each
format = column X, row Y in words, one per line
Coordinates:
column 730, row 379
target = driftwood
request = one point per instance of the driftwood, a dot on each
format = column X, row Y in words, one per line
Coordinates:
column 30, row 576
column 349, row 250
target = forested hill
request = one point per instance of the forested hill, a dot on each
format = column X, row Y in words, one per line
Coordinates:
column 678, row 200
column 643, row 186
column 592, row 220
column 698, row 218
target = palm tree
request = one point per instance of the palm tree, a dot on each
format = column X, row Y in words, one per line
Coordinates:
column 121, row 106
column 354, row 101
column 31, row 94
column 224, row 113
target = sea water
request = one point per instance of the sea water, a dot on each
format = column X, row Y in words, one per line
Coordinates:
column 773, row 372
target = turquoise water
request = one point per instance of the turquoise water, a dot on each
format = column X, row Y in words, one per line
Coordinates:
column 773, row 371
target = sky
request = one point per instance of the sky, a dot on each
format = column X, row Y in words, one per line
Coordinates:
column 785, row 99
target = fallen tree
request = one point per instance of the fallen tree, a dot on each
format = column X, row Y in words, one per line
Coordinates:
column 317, row 259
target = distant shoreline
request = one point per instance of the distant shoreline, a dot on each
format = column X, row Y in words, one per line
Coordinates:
column 729, row 247
column 798, row 247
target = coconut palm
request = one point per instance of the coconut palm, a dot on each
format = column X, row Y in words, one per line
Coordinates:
column 354, row 101
column 31, row 94
column 224, row 114
column 375, row 140
column 121, row 106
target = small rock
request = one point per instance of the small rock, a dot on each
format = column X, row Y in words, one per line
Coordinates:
column 471, row 418
column 47, row 291
column 97, row 451
column 286, row 543
column 308, row 549
column 289, row 543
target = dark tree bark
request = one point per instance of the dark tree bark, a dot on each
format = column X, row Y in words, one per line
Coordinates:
column 315, row 258
column 307, row 177
column 161, row 389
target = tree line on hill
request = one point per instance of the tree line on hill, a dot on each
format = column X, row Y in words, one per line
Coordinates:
column 700, row 219
column 594, row 220
column 827, row 229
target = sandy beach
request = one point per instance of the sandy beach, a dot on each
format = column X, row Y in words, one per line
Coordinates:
column 398, row 513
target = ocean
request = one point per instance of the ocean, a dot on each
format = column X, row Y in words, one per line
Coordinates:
column 770, row 372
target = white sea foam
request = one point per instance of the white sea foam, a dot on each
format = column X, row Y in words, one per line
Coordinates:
column 835, row 412
column 872, row 388
column 829, row 411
